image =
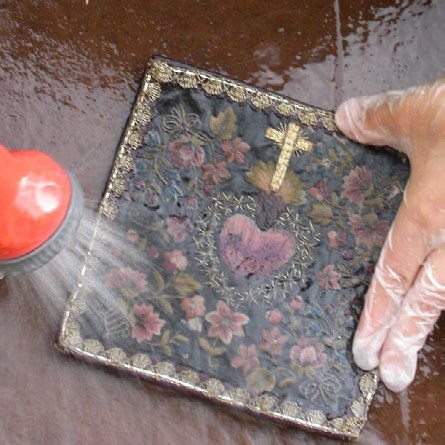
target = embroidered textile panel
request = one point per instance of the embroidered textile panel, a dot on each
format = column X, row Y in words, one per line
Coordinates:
column 245, row 231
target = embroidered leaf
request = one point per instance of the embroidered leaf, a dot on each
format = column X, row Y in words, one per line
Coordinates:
column 260, row 380
column 223, row 125
column 288, row 381
column 180, row 337
column 321, row 213
column 167, row 350
column 158, row 280
column 165, row 338
column 343, row 270
column 291, row 190
column 128, row 293
column 185, row 284
column 211, row 350
column 165, row 304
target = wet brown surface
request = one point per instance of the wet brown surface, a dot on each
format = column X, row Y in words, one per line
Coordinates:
column 68, row 76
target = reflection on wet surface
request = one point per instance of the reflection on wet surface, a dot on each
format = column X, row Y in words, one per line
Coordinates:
column 69, row 72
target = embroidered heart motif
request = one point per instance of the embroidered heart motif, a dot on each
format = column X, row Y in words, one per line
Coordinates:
column 251, row 254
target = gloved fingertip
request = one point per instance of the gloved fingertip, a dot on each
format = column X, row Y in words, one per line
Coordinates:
column 366, row 354
column 343, row 118
column 396, row 376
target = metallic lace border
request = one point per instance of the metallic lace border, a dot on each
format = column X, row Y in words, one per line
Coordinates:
column 70, row 341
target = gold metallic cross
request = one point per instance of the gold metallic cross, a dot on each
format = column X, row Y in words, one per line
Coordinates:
column 289, row 141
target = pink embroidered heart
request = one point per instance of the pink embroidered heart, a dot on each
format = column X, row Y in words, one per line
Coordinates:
column 250, row 253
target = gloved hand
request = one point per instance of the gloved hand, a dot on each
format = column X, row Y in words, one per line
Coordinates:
column 407, row 292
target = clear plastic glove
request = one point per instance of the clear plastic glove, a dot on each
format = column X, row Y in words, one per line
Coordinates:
column 407, row 292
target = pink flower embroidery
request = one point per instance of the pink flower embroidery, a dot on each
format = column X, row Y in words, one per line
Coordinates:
column 368, row 230
column 337, row 239
column 209, row 188
column 215, row 172
column 132, row 236
column 152, row 252
column 357, row 185
column 174, row 261
column 273, row 341
column 235, row 150
column 226, row 323
column 193, row 307
column 179, row 227
column 274, row 316
column 147, row 323
column 320, row 190
column 308, row 352
column 328, row 278
column 245, row 359
column 186, row 155
column 296, row 303
column 127, row 278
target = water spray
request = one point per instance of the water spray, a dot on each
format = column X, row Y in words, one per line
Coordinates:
column 40, row 210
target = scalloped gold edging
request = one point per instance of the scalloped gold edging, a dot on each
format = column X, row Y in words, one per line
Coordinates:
column 70, row 340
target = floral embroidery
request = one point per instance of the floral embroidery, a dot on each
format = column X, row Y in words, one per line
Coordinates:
column 308, row 353
column 357, row 185
column 194, row 306
column 320, row 190
column 224, row 275
column 328, row 278
column 337, row 239
column 215, row 172
column 235, row 150
column 132, row 236
column 179, row 227
column 174, row 260
column 147, row 323
column 128, row 279
column 226, row 323
column 274, row 316
column 246, row 358
column 368, row 230
column 185, row 155
column 273, row 341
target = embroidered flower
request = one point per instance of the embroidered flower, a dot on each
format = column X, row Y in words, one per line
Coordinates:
column 147, row 323
column 209, row 188
column 308, row 352
column 235, row 150
column 226, row 323
column 179, row 227
column 132, row 236
column 186, row 155
column 174, row 261
column 193, row 306
column 368, row 230
column 296, row 303
column 274, row 316
column 337, row 239
column 152, row 252
column 273, row 341
column 357, row 185
column 215, row 172
column 127, row 278
column 246, row 358
column 328, row 278
column 320, row 190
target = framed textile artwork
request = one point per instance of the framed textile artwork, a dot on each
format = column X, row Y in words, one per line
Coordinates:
column 244, row 233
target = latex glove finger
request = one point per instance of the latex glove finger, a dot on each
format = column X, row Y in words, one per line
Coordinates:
column 402, row 255
column 420, row 310
column 395, row 118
